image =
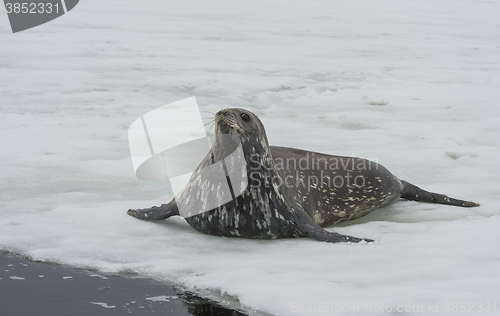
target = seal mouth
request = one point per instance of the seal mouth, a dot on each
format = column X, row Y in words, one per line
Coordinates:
column 226, row 122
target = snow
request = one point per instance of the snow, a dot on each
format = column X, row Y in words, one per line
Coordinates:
column 162, row 298
column 105, row 305
column 413, row 85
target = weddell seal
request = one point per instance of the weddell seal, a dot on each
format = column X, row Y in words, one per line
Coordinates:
column 289, row 192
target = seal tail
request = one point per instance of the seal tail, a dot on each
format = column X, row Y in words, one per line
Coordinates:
column 413, row 193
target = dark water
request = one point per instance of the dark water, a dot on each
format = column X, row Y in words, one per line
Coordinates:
column 33, row 288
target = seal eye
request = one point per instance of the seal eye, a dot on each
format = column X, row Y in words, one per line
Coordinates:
column 245, row 117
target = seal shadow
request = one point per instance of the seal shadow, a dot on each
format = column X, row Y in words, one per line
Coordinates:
column 405, row 211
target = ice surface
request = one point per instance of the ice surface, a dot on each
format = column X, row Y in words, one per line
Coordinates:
column 105, row 305
column 412, row 84
column 162, row 298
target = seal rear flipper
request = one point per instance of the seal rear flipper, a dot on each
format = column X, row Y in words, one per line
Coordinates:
column 413, row 193
column 156, row 212
column 311, row 229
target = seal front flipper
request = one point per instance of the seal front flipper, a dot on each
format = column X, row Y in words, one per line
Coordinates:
column 311, row 229
column 156, row 212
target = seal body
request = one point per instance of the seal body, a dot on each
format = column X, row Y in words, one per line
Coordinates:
column 333, row 189
column 289, row 192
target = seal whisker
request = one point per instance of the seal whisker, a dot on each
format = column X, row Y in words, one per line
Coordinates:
column 212, row 121
column 211, row 126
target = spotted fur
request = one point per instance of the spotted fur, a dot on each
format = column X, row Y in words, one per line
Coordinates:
column 277, row 203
